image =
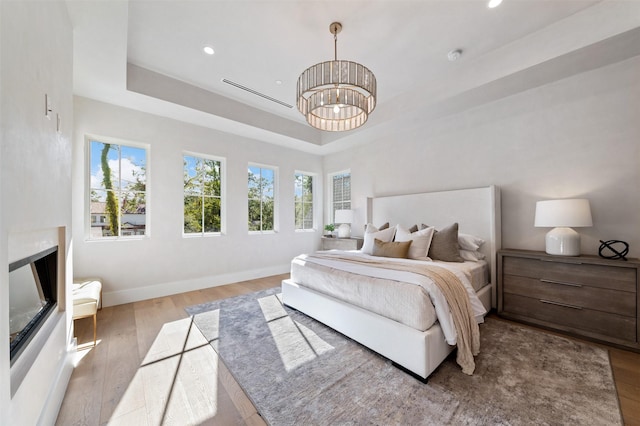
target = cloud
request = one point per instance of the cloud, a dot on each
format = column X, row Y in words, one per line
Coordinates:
column 127, row 173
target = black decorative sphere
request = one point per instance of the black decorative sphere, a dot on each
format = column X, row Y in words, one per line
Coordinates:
column 613, row 249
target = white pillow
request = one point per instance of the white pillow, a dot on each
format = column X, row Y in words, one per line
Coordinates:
column 469, row 242
column 370, row 227
column 473, row 256
column 370, row 235
column 421, row 240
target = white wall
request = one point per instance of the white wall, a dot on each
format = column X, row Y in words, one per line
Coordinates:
column 36, row 48
column 166, row 262
column 577, row 137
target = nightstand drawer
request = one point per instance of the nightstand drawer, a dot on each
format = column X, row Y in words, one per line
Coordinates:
column 580, row 320
column 599, row 299
column 342, row 243
column 572, row 272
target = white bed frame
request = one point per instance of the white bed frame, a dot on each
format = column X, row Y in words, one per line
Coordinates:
column 476, row 210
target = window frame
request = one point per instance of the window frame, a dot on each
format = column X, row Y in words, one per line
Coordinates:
column 314, row 199
column 330, row 201
column 275, row 199
column 223, row 200
column 88, row 138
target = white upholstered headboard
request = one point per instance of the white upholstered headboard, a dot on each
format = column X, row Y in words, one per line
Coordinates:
column 477, row 211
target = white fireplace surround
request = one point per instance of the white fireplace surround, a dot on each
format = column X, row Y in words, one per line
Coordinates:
column 41, row 371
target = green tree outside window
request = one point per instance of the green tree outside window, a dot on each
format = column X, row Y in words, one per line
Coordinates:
column 117, row 191
column 202, row 195
column 303, row 200
column 261, row 205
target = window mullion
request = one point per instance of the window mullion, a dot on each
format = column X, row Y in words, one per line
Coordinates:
column 117, row 193
column 201, row 185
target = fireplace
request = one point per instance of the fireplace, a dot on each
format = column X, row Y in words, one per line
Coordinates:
column 33, row 289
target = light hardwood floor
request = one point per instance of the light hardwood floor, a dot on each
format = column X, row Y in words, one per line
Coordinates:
column 151, row 366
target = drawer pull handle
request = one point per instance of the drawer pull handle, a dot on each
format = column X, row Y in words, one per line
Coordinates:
column 573, row 262
column 560, row 282
column 549, row 302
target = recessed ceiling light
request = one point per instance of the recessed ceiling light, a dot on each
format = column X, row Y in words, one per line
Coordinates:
column 494, row 3
column 454, row 55
column 279, row 82
column 208, row 50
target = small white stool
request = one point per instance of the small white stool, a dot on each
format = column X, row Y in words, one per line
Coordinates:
column 87, row 299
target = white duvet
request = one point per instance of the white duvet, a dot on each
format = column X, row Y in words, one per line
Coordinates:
column 395, row 281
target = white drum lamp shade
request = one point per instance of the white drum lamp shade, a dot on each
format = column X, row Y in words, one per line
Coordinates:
column 562, row 216
column 344, row 218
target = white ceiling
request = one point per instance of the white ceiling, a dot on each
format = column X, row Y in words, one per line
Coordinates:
column 405, row 43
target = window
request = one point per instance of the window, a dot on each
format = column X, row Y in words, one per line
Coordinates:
column 340, row 184
column 261, row 183
column 117, row 190
column 202, row 195
column 303, row 195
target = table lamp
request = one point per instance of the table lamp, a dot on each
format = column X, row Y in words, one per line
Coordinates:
column 563, row 215
column 344, row 218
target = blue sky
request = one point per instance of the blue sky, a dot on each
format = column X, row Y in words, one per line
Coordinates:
column 132, row 160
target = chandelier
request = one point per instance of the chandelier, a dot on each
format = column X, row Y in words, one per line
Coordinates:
column 336, row 95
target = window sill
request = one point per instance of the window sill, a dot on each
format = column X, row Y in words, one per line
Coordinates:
column 202, row 235
column 116, row 239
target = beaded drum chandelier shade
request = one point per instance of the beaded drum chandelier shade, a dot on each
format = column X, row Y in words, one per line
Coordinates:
column 336, row 95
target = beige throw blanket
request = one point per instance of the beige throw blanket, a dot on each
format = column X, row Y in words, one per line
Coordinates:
column 468, row 340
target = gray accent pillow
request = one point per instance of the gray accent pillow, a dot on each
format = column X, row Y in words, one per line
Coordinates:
column 382, row 227
column 444, row 245
column 391, row 249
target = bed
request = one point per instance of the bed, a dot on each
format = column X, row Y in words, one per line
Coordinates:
column 410, row 346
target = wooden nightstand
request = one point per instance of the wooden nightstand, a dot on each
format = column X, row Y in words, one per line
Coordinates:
column 352, row 243
column 586, row 296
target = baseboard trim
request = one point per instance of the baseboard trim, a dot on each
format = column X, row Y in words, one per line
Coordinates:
column 120, row 297
column 54, row 401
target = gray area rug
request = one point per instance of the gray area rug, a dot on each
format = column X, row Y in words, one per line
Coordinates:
column 298, row 371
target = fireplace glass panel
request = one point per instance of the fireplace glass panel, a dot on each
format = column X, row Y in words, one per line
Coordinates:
column 27, row 298
column 33, row 284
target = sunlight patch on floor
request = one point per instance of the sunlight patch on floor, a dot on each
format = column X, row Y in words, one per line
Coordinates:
column 177, row 381
column 296, row 343
column 82, row 351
